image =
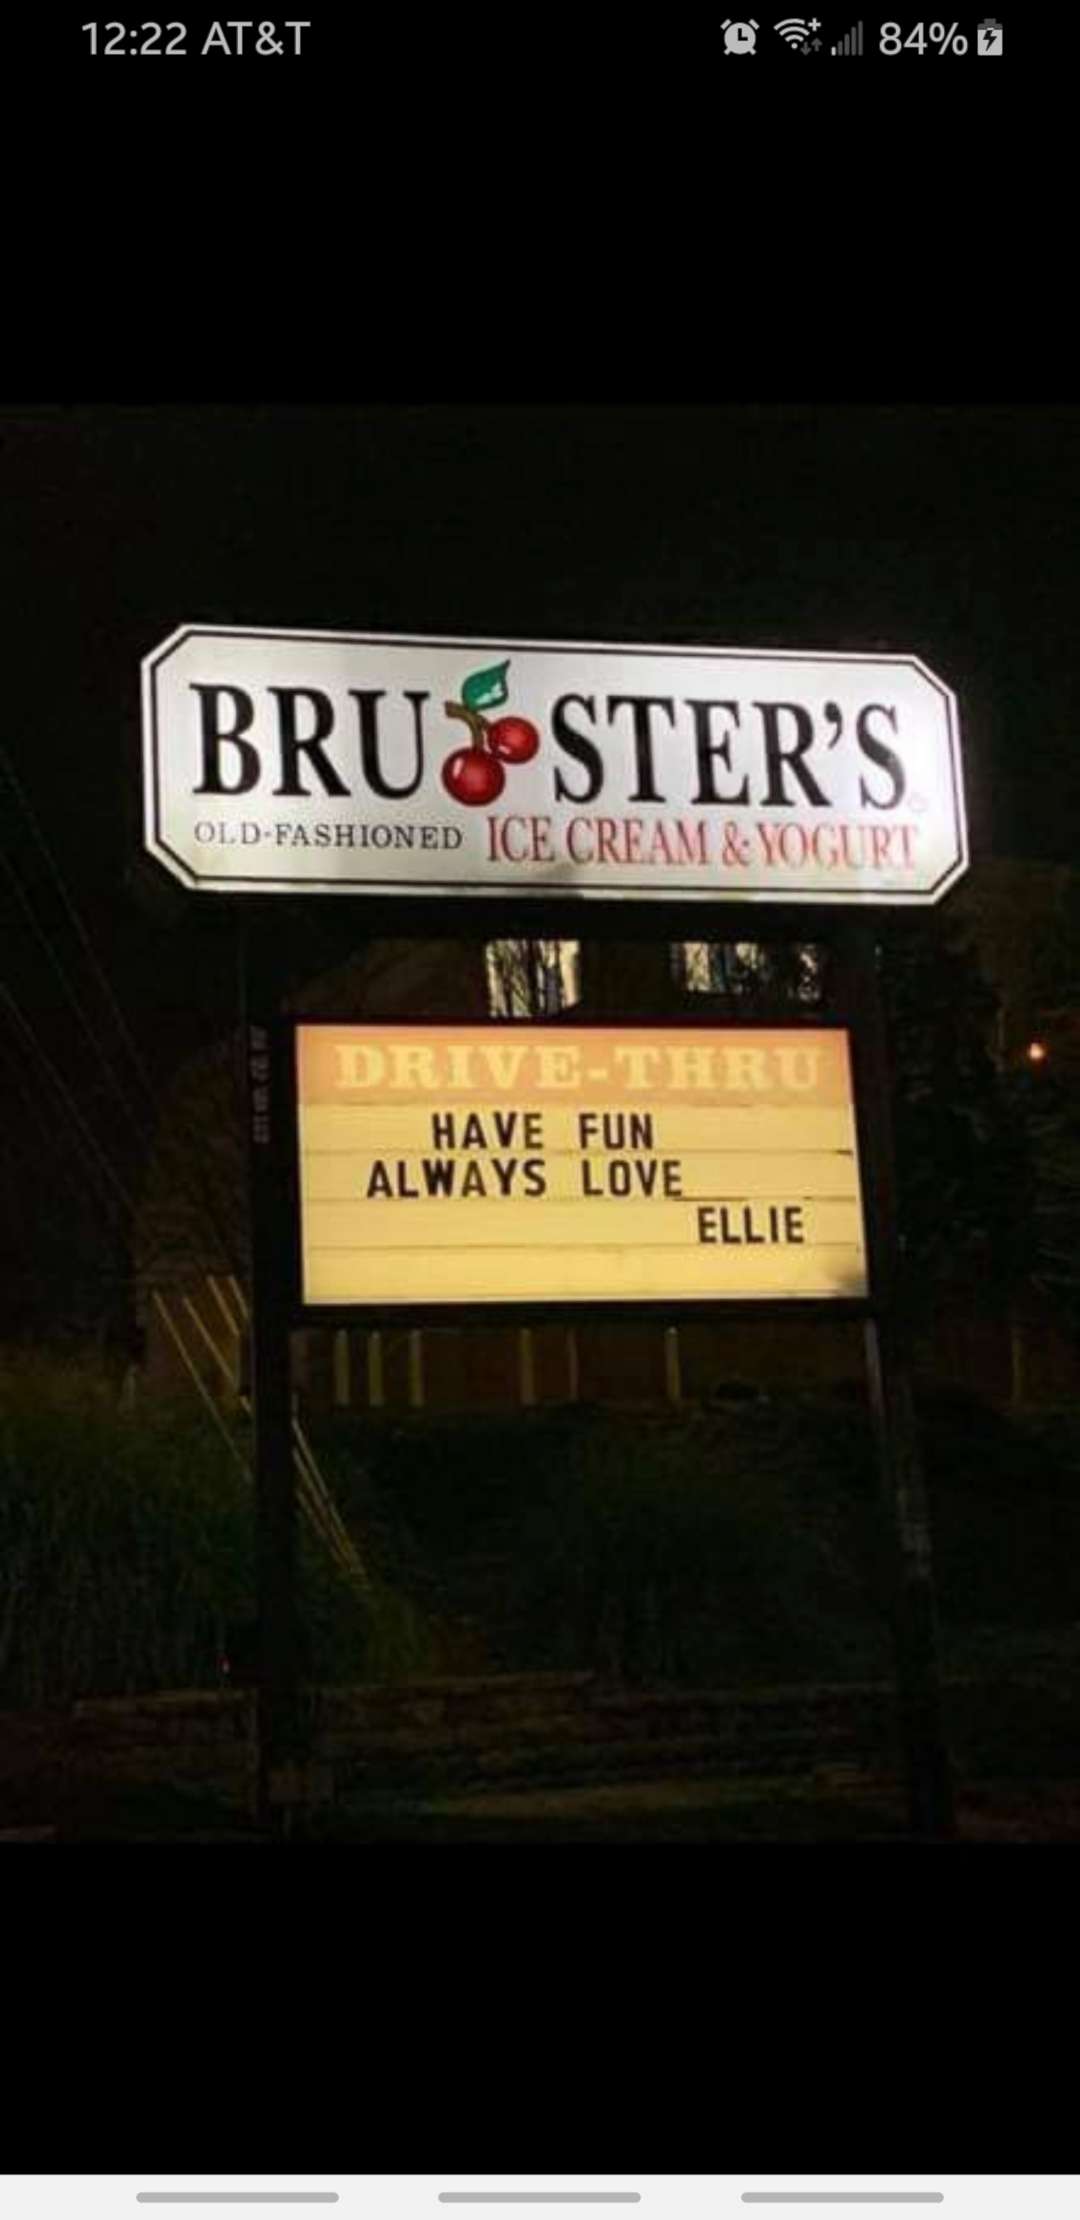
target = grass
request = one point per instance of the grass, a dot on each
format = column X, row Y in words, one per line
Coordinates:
column 739, row 1545
column 708, row 1547
column 735, row 1547
column 127, row 1552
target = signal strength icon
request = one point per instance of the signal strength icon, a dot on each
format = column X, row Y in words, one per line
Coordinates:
column 851, row 43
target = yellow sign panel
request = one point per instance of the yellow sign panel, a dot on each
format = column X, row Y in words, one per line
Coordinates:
column 479, row 1164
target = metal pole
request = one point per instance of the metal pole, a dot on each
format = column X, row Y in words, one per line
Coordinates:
column 526, row 1354
column 375, row 1375
column 342, row 1371
column 416, row 1371
column 278, row 1710
column 888, row 1358
column 573, row 1366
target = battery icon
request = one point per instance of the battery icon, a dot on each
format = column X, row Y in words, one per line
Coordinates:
column 989, row 36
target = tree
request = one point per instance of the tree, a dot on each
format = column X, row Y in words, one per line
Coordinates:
column 964, row 1146
column 194, row 1220
column 1049, row 1100
column 752, row 976
column 1025, row 920
column 964, row 1167
column 532, row 978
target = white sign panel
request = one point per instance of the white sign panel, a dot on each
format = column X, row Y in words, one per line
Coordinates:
column 317, row 762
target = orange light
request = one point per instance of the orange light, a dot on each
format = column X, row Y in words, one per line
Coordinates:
column 1036, row 1052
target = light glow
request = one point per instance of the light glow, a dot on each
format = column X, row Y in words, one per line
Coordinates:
column 522, row 1164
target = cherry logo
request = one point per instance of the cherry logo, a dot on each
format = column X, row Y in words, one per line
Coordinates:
column 475, row 775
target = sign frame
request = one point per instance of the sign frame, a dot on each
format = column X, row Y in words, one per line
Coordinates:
column 854, row 1006
column 471, row 895
column 663, row 1310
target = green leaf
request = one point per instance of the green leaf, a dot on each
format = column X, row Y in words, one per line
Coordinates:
column 486, row 689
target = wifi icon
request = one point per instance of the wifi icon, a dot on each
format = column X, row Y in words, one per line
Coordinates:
column 795, row 30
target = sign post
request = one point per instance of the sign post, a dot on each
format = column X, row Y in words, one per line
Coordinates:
column 537, row 775
column 888, row 1366
column 279, row 1724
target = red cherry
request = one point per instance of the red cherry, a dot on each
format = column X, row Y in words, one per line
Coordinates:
column 514, row 739
column 473, row 777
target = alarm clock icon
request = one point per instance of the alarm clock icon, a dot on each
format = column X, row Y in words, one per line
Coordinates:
column 739, row 38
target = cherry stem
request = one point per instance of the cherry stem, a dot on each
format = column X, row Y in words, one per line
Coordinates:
column 476, row 723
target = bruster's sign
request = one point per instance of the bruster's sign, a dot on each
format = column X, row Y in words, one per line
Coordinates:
column 278, row 762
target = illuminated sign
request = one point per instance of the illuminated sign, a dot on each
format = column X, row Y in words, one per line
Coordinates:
column 336, row 763
column 467, row 1164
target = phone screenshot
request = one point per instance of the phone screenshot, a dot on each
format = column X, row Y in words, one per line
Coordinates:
column 540, row 1186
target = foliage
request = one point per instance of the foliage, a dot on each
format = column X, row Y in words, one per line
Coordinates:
column 1025, row 919
column 531, row 978
column 707, row 1547
column 967, row 1150
column 127, row 1552
column 753, row 976
column 1005, row 1514
column 963, row 1153
column 1048, row 1099
column 691, row 1548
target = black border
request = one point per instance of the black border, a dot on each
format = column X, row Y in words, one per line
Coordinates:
column 669, row 1311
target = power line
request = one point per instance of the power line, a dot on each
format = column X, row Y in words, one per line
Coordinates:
column 97, row 967
column 314, row 1493
column 36, row 1100
column 192, row 1185
column 63, row 1090
column 74, row 999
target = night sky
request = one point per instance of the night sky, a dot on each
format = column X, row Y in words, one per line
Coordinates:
column 945, row 531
